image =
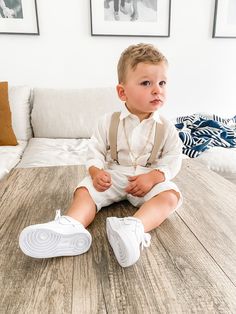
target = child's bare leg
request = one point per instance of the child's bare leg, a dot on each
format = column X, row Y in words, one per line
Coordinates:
column 134, row 15
column 153, row 212
column 135, row 6
column 83, row 207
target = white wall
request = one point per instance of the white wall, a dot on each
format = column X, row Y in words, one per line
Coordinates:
column 202, row 74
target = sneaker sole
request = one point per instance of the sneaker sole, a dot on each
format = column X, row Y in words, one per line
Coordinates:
column 45, row 243
column 120, row 244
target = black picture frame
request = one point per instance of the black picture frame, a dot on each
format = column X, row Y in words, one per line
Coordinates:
column 224, row 24
column 155, row 23
column 14, row 23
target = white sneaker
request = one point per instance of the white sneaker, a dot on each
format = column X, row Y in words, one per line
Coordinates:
column 63, row 236
column 125, row 236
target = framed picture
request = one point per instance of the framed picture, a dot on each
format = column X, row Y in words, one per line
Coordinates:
column 224, row 19
column 144, row 18
column 19, row 17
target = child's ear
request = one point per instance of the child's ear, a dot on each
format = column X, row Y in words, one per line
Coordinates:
column 121, row 92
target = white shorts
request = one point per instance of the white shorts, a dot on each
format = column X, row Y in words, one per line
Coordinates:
column 117, row 192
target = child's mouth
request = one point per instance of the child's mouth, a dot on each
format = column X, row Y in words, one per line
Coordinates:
column 156, row 102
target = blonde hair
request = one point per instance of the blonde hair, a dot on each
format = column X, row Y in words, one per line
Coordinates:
column 135, row 54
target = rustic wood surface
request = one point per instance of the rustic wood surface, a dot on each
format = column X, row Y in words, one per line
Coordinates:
column 189, row 267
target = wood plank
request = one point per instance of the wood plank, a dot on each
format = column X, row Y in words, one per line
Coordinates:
column 175, row 275
column 3, row 183
column 209, row 210
column 31, row 285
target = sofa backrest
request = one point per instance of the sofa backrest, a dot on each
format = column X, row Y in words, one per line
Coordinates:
column 19, row 100
column 70, row 113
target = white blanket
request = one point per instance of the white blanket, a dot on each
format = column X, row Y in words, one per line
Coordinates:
column 10, row 156
column 45, row 152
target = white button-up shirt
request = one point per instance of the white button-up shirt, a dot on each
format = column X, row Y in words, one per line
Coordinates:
column 140, row 136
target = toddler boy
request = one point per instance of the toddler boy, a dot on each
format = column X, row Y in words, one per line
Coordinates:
column 133, row 175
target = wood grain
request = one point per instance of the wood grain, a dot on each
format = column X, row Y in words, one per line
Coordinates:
column 189, row 267
column 209, row 210
column 175, row 275
column 30, row 285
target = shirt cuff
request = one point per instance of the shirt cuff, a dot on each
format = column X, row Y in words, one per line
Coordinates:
column 165, row 171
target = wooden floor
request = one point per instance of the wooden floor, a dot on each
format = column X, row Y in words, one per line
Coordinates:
column 190, row 266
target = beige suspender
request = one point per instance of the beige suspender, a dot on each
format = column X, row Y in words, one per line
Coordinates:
column 115, row 120
column 113, row 131
column 158, row 140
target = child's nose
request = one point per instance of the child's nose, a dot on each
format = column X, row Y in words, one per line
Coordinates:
column 156, row 89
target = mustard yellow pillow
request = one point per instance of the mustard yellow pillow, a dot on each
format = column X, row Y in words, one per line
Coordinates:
column 7, row 136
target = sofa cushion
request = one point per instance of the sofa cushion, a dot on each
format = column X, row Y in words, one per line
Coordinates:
column 221, row 160
column 10, row 156
column 7, row 135
column 19, row 99
column 72, row 113
column 45, row 152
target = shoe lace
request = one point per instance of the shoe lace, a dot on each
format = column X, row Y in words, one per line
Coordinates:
column 61, row 219
column 145, row 240
column 58, row 214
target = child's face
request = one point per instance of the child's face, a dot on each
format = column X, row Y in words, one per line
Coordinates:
column 145, row 88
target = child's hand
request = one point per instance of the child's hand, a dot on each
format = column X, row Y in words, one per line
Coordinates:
column 101, row 180
column 140, row 185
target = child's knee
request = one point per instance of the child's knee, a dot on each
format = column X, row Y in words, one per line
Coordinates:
column 82, row 190
column 172, row 197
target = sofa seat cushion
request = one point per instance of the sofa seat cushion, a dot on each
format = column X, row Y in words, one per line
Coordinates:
column 10, row 156
column 221, row 160
column 44, row 152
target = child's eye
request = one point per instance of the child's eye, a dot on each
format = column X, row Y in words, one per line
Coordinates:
column 146, row 83
column 162, row 83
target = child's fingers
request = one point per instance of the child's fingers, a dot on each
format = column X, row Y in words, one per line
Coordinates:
column 103, row 182
column 132, row 178
column 134, row 190
column 130, row 187
column 101, row 187
column 106, row 179
column 108, row 176
column 138, row 193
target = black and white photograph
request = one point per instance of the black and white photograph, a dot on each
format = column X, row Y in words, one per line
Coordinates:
column 11, row 9
column 18, row 17
column 130, row 17
column 224, row 19
column 130, row 10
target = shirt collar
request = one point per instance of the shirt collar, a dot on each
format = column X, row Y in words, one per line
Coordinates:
column 125, row 113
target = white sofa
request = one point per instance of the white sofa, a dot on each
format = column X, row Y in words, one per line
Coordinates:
column 53, row 127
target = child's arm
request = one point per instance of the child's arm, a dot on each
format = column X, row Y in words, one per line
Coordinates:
column 97, row 147
column 171, row 158
column 96, row 156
